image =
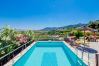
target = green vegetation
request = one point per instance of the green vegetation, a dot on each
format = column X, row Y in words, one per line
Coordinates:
column 88, row 34
column 79, row 34
column 11, row 39
column 94, row 24
column 41, row 35
column 58, row 32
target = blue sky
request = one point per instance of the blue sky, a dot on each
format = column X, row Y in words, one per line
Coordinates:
column 37, row 14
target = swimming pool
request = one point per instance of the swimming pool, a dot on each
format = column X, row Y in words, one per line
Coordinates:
column 49, row 54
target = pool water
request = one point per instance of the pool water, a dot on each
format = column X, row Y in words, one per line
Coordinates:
column 49, row 54
column 50, row 58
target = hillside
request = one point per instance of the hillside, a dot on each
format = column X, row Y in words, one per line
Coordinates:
column 64, row 27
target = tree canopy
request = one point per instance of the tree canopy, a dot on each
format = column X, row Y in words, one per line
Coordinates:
column 94, row 24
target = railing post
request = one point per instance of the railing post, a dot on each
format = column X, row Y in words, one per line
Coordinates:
column 25, row 45
column 82, row 55
column 13, row 58
column 76, row 57
column 88, row 60
column 0, row 63
column 21, row 50
column 97, row 59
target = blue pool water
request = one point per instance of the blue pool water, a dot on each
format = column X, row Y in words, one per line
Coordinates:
column 49, row 54
column 50, row 58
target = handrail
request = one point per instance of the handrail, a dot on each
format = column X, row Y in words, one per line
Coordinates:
column 15, row 50
column 5, row 47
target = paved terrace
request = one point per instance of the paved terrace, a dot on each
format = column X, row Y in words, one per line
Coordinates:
column 92, row 59
column 94, row 45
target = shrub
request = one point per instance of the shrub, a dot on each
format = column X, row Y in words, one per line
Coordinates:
column 79, row 34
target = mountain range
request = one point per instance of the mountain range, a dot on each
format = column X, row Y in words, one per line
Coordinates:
column 64, row 27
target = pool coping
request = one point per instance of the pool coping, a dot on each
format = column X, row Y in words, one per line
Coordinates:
column 74, row 51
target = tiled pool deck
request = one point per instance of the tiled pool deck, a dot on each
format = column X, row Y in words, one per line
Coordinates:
column 79, row 53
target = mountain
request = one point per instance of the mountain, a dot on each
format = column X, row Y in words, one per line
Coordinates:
column 64, row 27
column 49, row 28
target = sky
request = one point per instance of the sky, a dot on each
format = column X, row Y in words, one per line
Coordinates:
column 37, row 14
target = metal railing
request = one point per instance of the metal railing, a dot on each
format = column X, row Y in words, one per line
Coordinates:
column 5, row 47
column 88, row 58
column 11, row 54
